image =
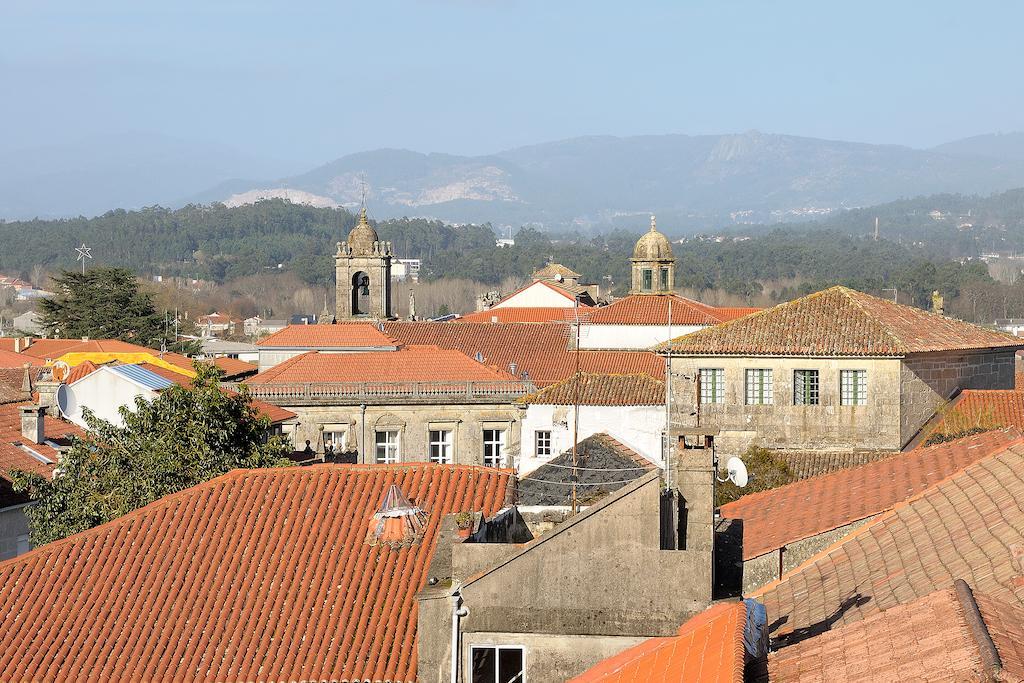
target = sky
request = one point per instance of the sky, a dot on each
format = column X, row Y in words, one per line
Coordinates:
column 308, row 82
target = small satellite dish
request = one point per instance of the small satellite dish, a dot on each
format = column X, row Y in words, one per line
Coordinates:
column 60, row 371
column 67, row 403
column 737, row 471
column 558, row 277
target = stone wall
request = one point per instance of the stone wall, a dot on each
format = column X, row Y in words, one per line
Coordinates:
column 927, row 381
column 826, row 426
column 13, row 531
column 764, row 569
column 413, row 422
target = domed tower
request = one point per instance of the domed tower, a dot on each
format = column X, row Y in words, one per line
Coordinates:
column 362, row 267
column 654, row 264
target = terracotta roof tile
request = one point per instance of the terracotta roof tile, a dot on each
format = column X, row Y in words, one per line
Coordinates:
column 234, row 368
column 9, row 359
column 15, row 457
column 275, row 414
column 408, row 364
column 968, row 526
column 79, row 371
column 840, row 322
column 777, row 517
column 541, row 350
column 602, row 390
column 987, row 409
column 339, row 336
column 255, row 575
column 806, row 464
column 653, row 309
column 707, row 649
column 928, row 639
column 553, row 269
column 521, row 314
column 8, row 343
column 50, row 348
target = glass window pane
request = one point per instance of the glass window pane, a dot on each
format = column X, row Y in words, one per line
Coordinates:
column 484, row 665
column 712, row 385
column 510, row 665
column 647, row 286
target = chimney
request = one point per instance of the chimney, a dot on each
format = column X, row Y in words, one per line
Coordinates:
column 694, row 476
column 32, row 427
column 47, row 390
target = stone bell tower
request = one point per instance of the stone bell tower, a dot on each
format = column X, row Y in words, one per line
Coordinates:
column 362, row 267
column 653, row 264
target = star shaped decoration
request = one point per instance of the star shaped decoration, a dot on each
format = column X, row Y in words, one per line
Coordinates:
column 84, row 252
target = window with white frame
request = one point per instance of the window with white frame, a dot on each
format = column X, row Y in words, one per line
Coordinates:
column 853, row 387
column 542, row 443
column 334, row 441
column 494, row 447
column 386, row 446
column 712, row 385
column 760, row 389
column 442, row 446
column 497, row 664
column 805, row 388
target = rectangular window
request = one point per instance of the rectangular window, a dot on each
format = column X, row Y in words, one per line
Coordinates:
column 712, row 385
column 441, row 446
column 805, row 387
column 334, row 442
column 664, row 280
column 853, row 387
column 760, row 390
column 387, row 447
column 648, row 284
column 542, row 444
column 493, row 664
column 494, row 447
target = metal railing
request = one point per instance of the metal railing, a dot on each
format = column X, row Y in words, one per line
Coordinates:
column 364, row 391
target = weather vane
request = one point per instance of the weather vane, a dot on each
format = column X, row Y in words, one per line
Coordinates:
column 84, row 252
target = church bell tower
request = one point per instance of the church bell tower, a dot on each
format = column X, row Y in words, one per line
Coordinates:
column 362, row 267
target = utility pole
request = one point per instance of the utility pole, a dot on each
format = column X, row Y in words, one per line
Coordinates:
column 576, row 412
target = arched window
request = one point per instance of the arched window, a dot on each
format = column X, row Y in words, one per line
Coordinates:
column 360, row 294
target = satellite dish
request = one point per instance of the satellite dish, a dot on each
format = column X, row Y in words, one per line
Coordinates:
column 558, row 277
column 67, row 403
column 60, row 371
column 737, row 471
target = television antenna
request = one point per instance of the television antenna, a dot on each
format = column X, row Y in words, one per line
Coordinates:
column 576, row 319
column 83, row 252
column 736, row 472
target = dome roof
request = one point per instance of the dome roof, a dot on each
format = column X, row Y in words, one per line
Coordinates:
column 653, row 246
column 362, row 237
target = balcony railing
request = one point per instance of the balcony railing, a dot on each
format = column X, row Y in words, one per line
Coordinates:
column 368, row 391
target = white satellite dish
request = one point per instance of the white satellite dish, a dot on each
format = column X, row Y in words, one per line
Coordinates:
column 737, row 471
column 558, row 277
column 66, row 402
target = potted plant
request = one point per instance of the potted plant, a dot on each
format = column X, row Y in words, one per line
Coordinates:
column 464, row 523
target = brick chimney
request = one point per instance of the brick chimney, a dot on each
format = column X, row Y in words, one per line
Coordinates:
column 32, row 425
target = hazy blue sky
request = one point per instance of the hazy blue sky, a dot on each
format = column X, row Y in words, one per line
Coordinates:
column 310, row 81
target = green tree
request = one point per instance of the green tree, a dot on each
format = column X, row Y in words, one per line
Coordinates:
column 182, row 438
column 103, row 303
column 767, row 471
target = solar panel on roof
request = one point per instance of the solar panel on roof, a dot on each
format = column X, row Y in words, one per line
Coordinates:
column 142, row 376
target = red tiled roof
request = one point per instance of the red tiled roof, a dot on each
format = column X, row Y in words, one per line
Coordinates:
column 273, row 413
column 539, row 349
column 13, row 457
column 602, row 390
column 983, row 408
column 522, row 314
column 257, row 575
column 233, row 367
column 408, row 364
column 8, row 343
column 929, row 639
column 969, row 526
column 840, row 322
column 339, row 336
column 805, row 508
column 79, row 371
column 9, row 359
column 707, row 649
column 653, row 309
column 553, row 269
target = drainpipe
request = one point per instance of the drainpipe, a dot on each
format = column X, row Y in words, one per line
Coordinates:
column 459, row 610
column 362, row 434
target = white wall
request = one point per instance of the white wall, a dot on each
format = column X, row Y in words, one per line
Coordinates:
column 538, row 295
column 103, row 392
column 638, row 427
column 593, row 336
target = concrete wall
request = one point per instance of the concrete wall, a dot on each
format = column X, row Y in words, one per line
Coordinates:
column 593, row 586
column 413, row 423
column 104, row 392
column 764, row 569
column 827, row 426
column 928, row 380
column 631, row 336
column 639, row 427
column 13, row 532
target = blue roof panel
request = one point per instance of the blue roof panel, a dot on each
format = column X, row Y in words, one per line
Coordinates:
column 143, row 376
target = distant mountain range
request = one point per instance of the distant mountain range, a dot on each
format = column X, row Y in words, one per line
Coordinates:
column 691, row 182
